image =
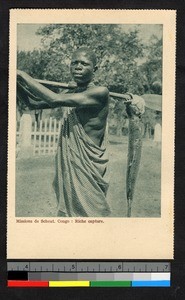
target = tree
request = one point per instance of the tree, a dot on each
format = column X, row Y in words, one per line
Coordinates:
column 117, row 51
column 152, row 68
column 33, row 62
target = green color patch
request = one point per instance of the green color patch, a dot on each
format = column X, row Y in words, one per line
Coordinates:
column 110, row 284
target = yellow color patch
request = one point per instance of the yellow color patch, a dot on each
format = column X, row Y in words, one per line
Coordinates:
column 68, row 283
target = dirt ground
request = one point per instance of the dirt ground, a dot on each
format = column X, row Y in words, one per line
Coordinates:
column 35, row 196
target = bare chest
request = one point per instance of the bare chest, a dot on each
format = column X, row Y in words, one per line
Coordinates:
column 93, row 121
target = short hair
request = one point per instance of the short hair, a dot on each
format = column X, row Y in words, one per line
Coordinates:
column 89, row 53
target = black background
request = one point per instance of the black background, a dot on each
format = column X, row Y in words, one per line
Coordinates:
column 177, row 289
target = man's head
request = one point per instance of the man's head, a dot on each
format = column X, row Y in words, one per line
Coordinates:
column 83, row 65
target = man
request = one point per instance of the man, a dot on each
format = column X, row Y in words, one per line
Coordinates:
column 81, row 180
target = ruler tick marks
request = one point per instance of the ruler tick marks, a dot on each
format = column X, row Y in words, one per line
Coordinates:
column 87, row 267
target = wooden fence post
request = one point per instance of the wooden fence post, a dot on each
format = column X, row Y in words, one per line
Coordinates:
column 26, row 148
column 157, row 133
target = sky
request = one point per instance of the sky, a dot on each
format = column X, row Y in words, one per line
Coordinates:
column 27, row 39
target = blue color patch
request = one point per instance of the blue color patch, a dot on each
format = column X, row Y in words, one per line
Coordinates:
column 155, row 283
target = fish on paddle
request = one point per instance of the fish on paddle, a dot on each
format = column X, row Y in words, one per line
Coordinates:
column 134, row 110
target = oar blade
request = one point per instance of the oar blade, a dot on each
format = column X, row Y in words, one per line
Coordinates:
column 153, row 101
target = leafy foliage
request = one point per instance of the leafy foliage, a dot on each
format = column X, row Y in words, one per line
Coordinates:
column 119, row 54
column 152, row 68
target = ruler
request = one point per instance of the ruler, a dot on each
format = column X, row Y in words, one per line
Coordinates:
column 86, row 267
column 88, row 274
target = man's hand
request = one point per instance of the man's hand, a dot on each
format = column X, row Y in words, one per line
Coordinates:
column 136, row 106
column 20, row 73
column 21, row 77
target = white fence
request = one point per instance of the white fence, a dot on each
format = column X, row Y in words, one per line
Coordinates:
column 43, row 136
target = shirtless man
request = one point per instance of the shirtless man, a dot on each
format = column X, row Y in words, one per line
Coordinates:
column 91, row 104
column 81, row 162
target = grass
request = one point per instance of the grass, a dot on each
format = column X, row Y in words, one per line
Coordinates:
column 35, row 196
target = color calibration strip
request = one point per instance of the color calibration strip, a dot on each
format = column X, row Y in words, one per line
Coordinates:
column 52, row 279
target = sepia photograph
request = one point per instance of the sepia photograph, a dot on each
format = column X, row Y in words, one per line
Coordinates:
column 89, row 120
column 91, row 134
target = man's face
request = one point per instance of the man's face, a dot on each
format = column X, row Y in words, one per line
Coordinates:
column 81, row 68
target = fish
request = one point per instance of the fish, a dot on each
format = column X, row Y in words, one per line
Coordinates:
column 134, row 151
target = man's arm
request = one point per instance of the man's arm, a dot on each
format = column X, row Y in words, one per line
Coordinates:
column 96, row 96
column 24, row 95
